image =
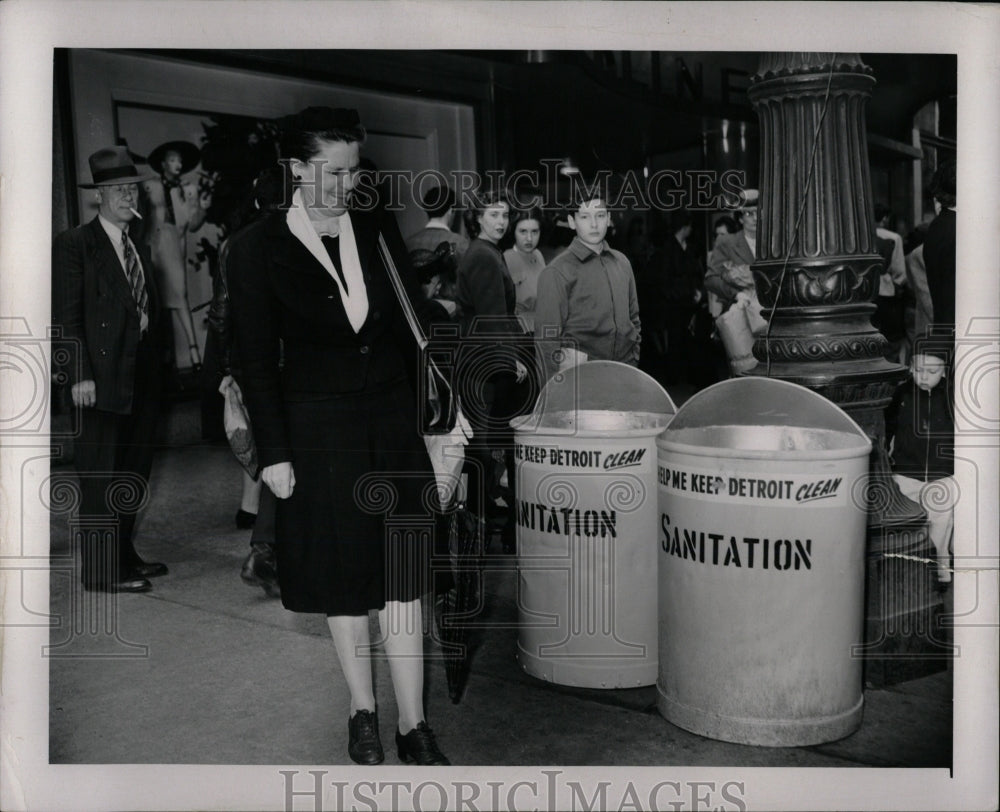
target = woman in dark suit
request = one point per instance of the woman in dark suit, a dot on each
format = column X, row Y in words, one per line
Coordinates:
column 337, row 430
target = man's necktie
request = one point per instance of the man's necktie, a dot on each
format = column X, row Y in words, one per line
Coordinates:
column 332, row 246
column 136, row 280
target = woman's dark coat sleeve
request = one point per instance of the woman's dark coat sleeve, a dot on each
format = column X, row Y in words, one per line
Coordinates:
column 219, row 316
column 255, row 319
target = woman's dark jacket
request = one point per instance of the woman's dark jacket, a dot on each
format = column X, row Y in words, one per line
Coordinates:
column 220, row 319
column 279, row 290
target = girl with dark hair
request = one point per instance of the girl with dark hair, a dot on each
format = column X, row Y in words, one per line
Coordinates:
column 490, row 370
column 525, row 263
column 336, row 430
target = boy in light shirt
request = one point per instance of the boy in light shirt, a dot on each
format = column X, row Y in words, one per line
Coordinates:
column 587, row 308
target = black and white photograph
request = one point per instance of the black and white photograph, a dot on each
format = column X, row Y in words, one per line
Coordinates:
column 531, row 405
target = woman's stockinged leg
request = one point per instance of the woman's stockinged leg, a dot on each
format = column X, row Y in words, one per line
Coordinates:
column 250, row 494
column 352, row 639
column 184, row 320
column 403, row 637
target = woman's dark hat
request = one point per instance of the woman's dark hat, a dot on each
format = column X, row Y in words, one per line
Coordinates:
column 112, row 166
column 190, row 155
column 439, row 262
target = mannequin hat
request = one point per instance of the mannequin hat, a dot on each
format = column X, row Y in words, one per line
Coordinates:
column 190, row 155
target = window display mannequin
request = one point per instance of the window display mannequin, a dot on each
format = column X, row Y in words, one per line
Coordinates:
column 178, row 208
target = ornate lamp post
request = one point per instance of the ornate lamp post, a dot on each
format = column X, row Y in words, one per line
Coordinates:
column 817, row 272
column 817, row 264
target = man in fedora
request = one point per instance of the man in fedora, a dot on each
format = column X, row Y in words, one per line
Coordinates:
column 106, row 303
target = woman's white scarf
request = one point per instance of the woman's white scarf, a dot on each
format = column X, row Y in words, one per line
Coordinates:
column 355, row 297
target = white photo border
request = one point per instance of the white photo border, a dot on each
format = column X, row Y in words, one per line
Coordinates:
column 31, row 29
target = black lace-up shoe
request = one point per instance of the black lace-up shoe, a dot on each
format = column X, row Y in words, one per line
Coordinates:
column 260, row 569
column 419, row 746
column 364, row 745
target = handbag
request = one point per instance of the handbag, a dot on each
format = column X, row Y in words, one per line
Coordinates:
column 438, row 400
column 238, row 431
column 758, row 324
column 737, row 338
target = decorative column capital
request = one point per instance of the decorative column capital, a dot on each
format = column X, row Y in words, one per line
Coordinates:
column 782, row 64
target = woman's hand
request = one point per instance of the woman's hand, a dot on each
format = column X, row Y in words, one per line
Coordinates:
column 226, row 382
column 738, row 274
column 570, row 358
column 520, row 371
column 280, row 478
column 84, row 393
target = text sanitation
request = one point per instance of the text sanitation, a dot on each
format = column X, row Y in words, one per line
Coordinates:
column 723, row 549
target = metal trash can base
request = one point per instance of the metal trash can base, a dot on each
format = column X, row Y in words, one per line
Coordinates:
column 761, row 732
column 579, row 674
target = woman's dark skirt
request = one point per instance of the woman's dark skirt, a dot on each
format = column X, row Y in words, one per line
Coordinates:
column 359, row 527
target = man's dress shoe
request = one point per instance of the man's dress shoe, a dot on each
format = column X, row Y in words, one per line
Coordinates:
column 259, row 569
column 149, row 569
column 130, row 583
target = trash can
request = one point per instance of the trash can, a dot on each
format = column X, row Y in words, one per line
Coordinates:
column 586, row 527
column 761, row 565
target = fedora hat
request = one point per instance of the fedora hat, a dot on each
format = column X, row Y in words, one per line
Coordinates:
column 190, row 155
column 111, row 166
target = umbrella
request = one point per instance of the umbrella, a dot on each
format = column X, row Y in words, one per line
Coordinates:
column 461, row 602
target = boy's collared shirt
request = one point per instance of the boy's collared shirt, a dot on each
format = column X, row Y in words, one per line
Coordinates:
column 587, row 300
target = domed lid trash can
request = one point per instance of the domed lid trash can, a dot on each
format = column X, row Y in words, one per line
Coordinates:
column 597, row 397
column 761, row 553
column 586, row 527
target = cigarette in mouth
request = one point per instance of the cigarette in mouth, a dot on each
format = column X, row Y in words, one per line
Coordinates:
column 135, row 212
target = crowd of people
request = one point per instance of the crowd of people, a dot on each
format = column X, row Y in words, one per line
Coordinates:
column 312, row 337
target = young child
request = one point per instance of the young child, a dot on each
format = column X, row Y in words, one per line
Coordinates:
column 920, row 429
column 587, row 308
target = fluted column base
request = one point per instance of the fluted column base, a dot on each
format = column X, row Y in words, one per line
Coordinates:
column 836, row 352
